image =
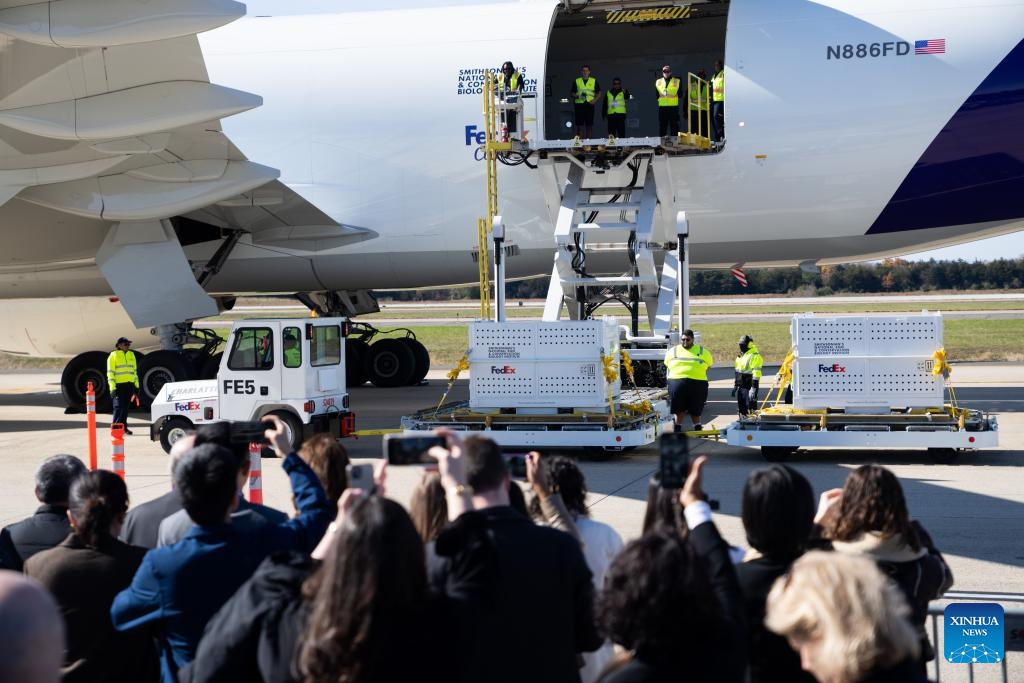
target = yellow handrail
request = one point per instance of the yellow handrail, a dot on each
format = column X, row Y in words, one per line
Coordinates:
column 703, row 134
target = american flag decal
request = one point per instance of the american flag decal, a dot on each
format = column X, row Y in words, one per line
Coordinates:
column 932, row 46
column 737, row 272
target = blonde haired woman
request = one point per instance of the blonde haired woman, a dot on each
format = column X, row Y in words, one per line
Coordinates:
column 846, row 619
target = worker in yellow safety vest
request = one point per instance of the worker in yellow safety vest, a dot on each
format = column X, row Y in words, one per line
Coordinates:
column 748, row 376
column 615, row 109
column 718, row 101
column 698, row 103
column 585, row 92
column 123, row 380
column 668, row 102
column 687, row 373
column 291, row 350
column 510, row 81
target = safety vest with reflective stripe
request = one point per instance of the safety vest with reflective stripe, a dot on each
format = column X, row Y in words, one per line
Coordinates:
column 698, row 96
column 718, row 87
column 750, row 362
column 617, row 103
column 668, row 93
column 514, row 81
column 122, row 369
column 585, row 90
column 691, row 363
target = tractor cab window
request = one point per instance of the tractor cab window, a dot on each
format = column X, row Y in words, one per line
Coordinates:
column 292, row 347
column 325, row 346
column 253, row 349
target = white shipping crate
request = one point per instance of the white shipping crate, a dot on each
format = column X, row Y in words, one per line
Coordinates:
column 535, row 364
column 841, row 382
column 867, row 336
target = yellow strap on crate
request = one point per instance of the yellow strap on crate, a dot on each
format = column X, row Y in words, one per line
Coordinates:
column 611, row 373
column 453, row 375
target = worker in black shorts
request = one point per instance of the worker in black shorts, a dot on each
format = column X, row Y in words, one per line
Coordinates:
column 585, row 92
column 687, row 372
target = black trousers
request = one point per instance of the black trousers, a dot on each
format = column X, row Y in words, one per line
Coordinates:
column 718, row 120
column 122, row 396
column 745, row 403
column 668, row 121
column 695, row 124
column 617, row 125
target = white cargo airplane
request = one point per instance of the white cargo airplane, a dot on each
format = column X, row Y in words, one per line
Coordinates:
column 855, row 129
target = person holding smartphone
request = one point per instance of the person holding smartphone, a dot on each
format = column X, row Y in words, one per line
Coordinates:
column 687, row 367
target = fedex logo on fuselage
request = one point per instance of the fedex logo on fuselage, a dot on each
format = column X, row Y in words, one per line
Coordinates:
column 504, row 370
column 185, row 407
column 835, row 367
column 474, row 136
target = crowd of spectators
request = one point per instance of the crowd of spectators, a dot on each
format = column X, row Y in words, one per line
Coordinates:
column 476, row 582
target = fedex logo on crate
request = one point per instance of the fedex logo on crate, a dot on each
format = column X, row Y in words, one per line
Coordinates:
column 503, row 370
column 185, row 407
column 835, row 367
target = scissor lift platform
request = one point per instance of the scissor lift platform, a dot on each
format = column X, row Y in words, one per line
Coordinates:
column 628, row 428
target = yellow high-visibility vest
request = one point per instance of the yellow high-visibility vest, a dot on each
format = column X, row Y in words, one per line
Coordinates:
column 585, row 90
column 122, row 368
column 718, row 87
column 750, row 363
column 698, row 96
column 513, row 82
column 617, row 103
column 668, row 93
column 691, row 363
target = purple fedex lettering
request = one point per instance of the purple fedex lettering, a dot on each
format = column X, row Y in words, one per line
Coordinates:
column 835, row 367
column 505, row 370
column 185, row 407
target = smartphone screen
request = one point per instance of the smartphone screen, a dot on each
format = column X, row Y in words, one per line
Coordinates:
column 248, row 432
column 361, row 477
column 674, row 460
column 410, row 450
column 516, row 463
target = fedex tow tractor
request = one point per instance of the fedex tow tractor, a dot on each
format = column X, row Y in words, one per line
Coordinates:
column 291, row 368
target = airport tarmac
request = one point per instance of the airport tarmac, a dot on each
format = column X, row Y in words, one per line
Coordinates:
column 973, row 509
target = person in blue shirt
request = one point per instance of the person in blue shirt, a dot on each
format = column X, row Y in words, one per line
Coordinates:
column 182, row 586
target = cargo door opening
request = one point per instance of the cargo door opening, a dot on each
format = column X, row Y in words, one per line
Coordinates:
column 631, row 45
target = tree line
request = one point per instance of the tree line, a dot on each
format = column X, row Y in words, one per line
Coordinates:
column 888, row 276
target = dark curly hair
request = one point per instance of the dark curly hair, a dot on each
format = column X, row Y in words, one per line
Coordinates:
column 96, row 501
column 873, row 501
column 566, row 480
column 658, row 601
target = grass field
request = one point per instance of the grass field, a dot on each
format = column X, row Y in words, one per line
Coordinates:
column 966, row 340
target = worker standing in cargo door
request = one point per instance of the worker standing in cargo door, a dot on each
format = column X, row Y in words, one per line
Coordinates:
column 123, row 379
column 585, row 91
column 687, row 372
column 748, row 376
column 615, row 109
column 510, row 81
column 718, row 102
column 668, row 102
column 697, row 99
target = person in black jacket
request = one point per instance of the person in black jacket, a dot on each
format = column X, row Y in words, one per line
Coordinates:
column 84, row 573
column 542, row 613
column 869, row 517
column 778, row 514
column 49, row 525
column 675, row 602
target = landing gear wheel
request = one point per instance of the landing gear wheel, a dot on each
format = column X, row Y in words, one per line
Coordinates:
column 74, row 381
column 156, row 370
column 943, row 456
column 211, row 366
column 173, row 429
column 292, row 428
column 357, row 358
column 422, row 358
column 392, row 363
column 777, row 453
